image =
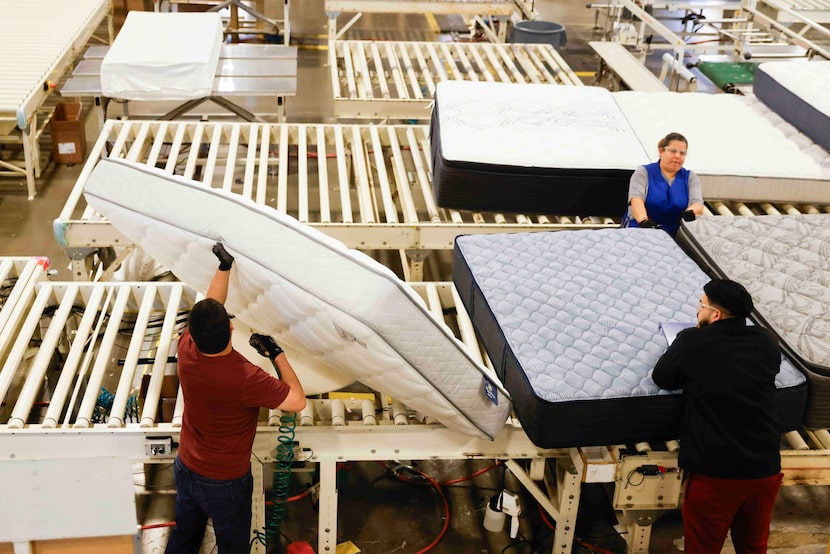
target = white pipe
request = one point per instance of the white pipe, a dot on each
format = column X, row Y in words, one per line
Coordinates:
column 119, row 405
column 41, row 363
column 399, row 413
column 338, row 413
column 368, row 410
column 151, row 398
column 796, row 441
column 69, row 369
column 307, row 415
column 102, row 360
column 22, row 343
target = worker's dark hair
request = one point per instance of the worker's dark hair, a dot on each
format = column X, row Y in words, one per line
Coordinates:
column 665, row 141
column 209, row 325
column 729, row 296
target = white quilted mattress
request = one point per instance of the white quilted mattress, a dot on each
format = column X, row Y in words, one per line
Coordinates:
column 533, row 125
column 163, row 56
column 306, row 289
column 741, row 149
column 809, row 79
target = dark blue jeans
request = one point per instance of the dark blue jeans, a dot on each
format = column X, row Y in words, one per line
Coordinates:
column 198, row 498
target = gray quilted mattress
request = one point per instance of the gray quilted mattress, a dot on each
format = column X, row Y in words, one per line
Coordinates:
column 572, row 323
column 784, row 262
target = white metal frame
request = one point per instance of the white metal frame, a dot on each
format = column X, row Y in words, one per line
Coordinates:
column 373, row 193
column 394, row 79
column 484, row 12
column 133, row 328
column 244, row 71
column 38, row 49
column 262, row 23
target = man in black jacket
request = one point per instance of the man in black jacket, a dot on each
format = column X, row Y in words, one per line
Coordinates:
column 730, row 436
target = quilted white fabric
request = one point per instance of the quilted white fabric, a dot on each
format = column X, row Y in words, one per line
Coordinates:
column 809, row 80
column 163, row 56
column 531, row 125
column 784, row 262
column 581, row 310
column 301, row 286
column 728, row 134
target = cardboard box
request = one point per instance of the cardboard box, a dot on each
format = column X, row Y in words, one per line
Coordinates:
column 68, row 136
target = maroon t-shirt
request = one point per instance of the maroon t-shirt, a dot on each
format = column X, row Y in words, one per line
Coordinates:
column 222, row 396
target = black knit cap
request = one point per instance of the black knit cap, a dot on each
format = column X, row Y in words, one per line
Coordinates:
column 730, row 296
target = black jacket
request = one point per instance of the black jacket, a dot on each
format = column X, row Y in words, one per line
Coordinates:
column 729, row 426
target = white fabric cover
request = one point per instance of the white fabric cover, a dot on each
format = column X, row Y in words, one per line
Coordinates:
column 163, row 56
column 809, row 80
column 303, row 287
column 533, row 125
column 743, row 150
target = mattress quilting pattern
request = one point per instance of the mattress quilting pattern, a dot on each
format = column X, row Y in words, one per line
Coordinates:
column 305, row 288
column 809, row 80
column 784, row 261
column 762, row 144
column 582, row 310
column 534, row 125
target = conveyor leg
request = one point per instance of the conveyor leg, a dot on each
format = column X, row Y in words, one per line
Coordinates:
column 327, row 522
column 638, row 530
column 258, row 505
column 29, row 153
column 416, row 264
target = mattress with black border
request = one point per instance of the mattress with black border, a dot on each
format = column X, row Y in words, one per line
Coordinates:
column 572, row 320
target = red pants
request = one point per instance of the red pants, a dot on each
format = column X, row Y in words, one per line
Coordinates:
column 712, row 506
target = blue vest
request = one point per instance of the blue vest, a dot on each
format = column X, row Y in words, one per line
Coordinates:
column 664, row 203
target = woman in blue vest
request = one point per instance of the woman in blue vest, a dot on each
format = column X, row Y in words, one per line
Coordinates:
column 662, row 193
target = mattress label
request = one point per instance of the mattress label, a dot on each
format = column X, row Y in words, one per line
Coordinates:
column 491, row 391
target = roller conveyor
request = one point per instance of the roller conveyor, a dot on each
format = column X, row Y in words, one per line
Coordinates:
column 366, row 185
column 38, row 50
column 397, row 79
column 484, row 12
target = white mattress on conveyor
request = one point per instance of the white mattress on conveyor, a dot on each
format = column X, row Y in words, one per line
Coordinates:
column 810, row 79
column 301, row 286
column 163, row 56
column 740, row 148
column 37, row 36
column 798, row 92
column 532, row 125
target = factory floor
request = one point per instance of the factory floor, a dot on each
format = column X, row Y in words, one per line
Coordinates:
column 380, row 512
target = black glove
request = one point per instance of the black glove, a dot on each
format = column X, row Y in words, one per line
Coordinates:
column 688, row 215
column 265, row 345
column 225, row 259
column 647, row 224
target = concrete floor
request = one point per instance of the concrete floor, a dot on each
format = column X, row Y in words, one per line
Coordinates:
column 379, row 513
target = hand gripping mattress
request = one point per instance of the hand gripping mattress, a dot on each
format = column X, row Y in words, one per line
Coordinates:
column 571, row 320
column 299, row 285
column 531, row 148
column 784, row 262
column 800, row 93
column 163, row 56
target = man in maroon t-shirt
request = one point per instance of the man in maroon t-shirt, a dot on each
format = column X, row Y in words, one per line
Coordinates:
column 223, row 393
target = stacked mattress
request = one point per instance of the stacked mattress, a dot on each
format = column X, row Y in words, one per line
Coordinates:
column 163, row 56
column 531, row 148
column 572, row 322
column 308, row 290
column 571, row 150
column 798, row 92
column 784, row 262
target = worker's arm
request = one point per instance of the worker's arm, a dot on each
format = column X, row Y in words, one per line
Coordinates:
column 218, row 288
column 638, row 209
column 268, row 347
column 668, row 371
column 295, row 401
column 695, row 194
